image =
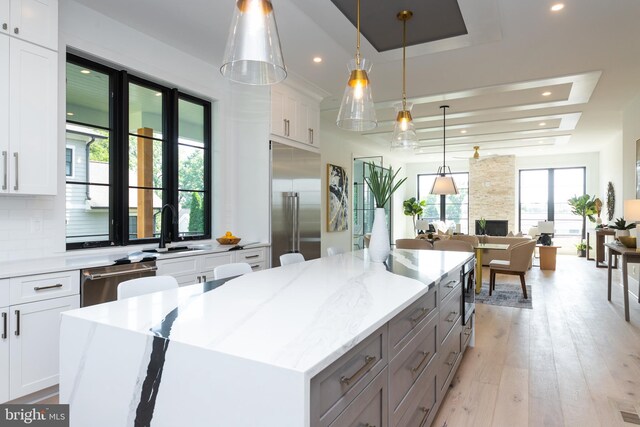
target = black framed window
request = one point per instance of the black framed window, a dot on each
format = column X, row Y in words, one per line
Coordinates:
column 68, row 161
column 453, row 208
column 138, row 145
column 543, row 196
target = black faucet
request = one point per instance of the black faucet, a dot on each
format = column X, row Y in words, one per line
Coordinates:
column 174, row 221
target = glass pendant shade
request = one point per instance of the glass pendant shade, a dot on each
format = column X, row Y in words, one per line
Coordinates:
column 404, row 130
column 253, row 54
column 357, row 111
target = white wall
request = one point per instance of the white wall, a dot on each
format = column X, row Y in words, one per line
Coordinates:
column 630, row 134
column 611, row 171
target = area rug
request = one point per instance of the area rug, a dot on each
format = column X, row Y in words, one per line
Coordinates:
column 505, row 294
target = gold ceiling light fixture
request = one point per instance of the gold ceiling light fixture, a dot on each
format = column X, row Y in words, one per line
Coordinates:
column 404, row 130
column 357, row 112
column 253, row 54
column 476, row 155
column 444, row 184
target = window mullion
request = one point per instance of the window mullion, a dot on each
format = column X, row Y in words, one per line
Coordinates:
column 170, row 163
column 121, row 165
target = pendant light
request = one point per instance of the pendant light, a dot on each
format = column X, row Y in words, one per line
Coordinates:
column 444, row 184
column 404, row 130
column 357, row 112
column 253, row 54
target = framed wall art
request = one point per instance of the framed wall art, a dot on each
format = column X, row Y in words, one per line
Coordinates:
column 337, row 198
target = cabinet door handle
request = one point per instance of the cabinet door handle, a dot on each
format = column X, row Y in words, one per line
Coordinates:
column 16, row 186
column 5, row 161
column 449, row 285
column 42, row 288
column 423, row 311
column 4, row 325
column 451, row 319
column 4, row 26
column 16, row 30
column 284, row 126
column 425, row 416
column 251, row 256
column 255, row 266
column 17, row 323
column 425, row 357
column 204, row 278
column 449, row 362
column 199, row 279
column 368, row 362
column 310, row 136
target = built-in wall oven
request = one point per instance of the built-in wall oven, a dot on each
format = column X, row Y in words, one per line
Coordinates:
column 467, row 278
column 100, row 284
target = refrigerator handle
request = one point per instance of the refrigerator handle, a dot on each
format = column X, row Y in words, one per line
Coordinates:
column 296, row 224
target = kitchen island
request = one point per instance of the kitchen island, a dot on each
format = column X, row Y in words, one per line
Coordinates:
column 292, row 346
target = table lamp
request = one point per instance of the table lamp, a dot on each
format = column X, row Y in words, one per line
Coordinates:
column 632, row 214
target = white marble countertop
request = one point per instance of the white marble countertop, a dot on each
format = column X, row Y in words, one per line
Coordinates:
column 300, row 317
column 73, row 260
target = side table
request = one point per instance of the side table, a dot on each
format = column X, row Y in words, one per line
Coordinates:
column 548, row 256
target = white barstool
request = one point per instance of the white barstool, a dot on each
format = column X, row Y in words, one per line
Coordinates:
column 145, row 285
column 286, row 259
column 334, row 250
column 230, row 270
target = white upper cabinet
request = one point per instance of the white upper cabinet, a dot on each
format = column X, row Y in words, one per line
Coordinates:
column 294, row 116
column 4, row 114
column 4, row 16
column 32, row 150
column 35, row 21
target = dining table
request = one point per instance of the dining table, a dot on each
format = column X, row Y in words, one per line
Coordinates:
column 480, row 248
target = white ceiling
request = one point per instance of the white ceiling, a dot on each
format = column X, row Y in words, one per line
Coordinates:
column 587, row 55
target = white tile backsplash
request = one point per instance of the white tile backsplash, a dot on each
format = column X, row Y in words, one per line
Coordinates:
column 27, row 227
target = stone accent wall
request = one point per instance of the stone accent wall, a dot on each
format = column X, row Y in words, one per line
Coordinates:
column 492, row 190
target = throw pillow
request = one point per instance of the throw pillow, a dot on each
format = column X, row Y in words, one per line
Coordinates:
column 510, row 234
column 519, row 234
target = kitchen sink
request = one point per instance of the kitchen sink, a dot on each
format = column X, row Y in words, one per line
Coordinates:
column 172, row 250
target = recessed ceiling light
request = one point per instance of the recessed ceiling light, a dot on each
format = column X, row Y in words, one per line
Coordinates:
column 463, row 131
column 69, row 113
column 542, row 124
column 557, row 7
column 540, row 142
column 158, row 93
column 317, row 60
column 85, row 71
column 547, row 93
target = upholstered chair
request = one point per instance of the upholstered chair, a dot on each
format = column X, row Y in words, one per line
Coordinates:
column 519, row 260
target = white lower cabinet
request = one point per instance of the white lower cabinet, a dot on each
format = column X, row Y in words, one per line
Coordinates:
column 30, row 330
column 199, row 268
column 34, row 347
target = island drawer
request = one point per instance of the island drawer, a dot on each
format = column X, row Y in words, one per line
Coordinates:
column 44, row 286
column 406, row 325
column 336, row 387
column 450, row 312
column 465, row 336
column 449, row 283
column 449, row 353
column 369, row 408
column 257, row 266
column 410, row 363
column 421, row 408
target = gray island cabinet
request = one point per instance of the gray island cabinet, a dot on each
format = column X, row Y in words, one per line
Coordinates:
column 337, row 341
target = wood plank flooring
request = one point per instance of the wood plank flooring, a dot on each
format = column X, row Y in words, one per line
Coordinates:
column 570, row 361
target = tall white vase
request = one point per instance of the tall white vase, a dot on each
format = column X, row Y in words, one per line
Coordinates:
column 379, row 247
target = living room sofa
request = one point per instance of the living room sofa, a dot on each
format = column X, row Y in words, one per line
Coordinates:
column 491, row 254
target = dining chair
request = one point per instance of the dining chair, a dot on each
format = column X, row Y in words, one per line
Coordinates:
column 413, row 244
column 334, row 250
column 453, row 245
column 145, row 285
column 519, row 259
column 230, row 270
column 286, row 259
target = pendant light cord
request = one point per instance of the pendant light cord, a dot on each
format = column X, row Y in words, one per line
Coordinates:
column 358, row 35
column 444, row 138
column 404, row 66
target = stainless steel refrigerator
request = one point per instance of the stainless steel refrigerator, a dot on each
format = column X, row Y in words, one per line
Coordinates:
column 295, row 202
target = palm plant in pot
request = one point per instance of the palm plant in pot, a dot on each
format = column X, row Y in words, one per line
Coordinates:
column 584, row 206
column 382, row 184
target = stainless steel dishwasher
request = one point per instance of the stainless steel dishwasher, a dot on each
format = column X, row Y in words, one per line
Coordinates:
column 100, row 284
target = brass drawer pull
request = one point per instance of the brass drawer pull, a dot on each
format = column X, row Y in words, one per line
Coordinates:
column 449, row 285
column 251, row 256
column 42, row 288
column 423, row 312
column 455, row 316
column 425, row 416
column 368, row 363
column 425, row 357
column 455, row 354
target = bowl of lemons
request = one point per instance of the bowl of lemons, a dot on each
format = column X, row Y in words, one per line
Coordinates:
column 228, row 239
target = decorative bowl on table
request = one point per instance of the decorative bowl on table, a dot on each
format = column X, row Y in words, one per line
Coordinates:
column 228, row 239
column 628, row 241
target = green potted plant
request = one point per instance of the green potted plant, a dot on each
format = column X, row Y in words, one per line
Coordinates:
column 414, row 208
column 622, row 227
column 581, row 248
column 383, row 184
column 482, row 223
column 584, row 206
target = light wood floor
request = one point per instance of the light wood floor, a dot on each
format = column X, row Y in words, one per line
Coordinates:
column 570, row 361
